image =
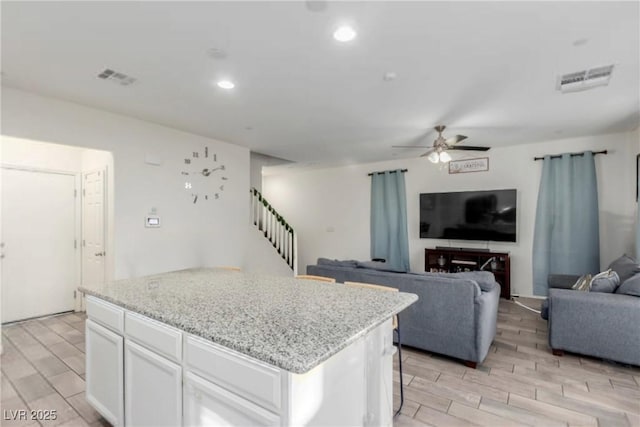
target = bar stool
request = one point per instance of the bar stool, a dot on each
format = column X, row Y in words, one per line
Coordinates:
column 396, row 329
column 316, row 278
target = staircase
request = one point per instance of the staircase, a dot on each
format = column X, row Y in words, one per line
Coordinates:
column 275, row 229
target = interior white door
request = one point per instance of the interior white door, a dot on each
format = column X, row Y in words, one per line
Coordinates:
column 38, row 243
column 93, row 248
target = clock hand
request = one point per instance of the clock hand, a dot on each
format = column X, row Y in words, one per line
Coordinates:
column 207, row 172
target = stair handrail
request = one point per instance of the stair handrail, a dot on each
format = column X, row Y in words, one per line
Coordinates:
column 275, row 228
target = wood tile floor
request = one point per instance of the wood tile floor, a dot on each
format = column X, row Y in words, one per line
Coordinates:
column 519, row 383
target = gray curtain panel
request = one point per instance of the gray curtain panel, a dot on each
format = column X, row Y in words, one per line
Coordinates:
column 567, row 236
column 389, row 237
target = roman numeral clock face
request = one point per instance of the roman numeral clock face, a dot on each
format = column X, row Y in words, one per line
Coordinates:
column 204, row 176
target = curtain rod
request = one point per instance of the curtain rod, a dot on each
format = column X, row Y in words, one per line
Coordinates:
column 572, row 154
column 381, row 173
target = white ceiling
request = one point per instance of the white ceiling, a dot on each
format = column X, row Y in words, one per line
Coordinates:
column 486, row 69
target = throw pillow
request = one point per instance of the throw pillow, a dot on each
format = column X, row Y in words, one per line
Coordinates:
column 605, row 282
column 630, row 286
column 582, row 284
column 625, row 266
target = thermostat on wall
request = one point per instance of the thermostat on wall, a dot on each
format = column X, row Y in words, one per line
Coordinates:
column 152, row 221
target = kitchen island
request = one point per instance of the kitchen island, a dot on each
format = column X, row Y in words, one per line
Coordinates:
column 213, row 347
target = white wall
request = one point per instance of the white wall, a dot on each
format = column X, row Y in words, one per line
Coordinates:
column 329, row 208
column 33, row 154
column 204, row 234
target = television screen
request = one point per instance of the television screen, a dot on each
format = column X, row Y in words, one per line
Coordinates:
column 469, row 215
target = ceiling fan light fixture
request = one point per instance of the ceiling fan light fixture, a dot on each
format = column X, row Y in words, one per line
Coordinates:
column 434, row 157
column 445, row 157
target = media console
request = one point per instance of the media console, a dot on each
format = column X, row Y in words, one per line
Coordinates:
column 453, row 260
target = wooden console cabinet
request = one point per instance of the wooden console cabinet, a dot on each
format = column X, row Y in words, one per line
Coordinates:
column 453, row 260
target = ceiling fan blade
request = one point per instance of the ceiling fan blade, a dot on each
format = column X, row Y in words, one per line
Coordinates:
column 455, row 139
column 428, row 152
column 410, row 146
column 469, row 148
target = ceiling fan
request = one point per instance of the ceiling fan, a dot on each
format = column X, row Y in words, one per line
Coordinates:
column 438, row 152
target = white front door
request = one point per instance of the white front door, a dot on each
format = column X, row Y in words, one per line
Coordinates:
column 93, row 248
column 38, row 243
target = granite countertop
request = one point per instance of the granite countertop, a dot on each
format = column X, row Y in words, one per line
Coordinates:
column 290, row 323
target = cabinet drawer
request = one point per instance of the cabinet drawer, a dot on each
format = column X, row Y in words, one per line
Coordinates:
column 162, row 339
column 258, row 382
column 206, row 403
column 105, row 313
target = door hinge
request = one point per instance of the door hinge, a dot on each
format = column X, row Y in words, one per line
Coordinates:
column 75, row 243
column 74, row 294
column 75, row 193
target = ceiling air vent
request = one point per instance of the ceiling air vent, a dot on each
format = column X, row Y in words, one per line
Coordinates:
column 116, row 77
column 583, row 80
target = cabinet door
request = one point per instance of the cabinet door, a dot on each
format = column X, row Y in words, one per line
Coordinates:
column 153, row 388
column 105, row 372
column 379, row 355
column 206, row 404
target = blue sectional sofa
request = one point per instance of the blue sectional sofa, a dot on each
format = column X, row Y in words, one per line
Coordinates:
column 455, row 314
column 604, row 325
column 602, row 322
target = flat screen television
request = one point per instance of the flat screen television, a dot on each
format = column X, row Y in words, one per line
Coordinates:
column 469, row 215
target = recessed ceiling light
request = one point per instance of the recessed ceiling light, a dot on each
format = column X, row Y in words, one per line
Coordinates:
column 344, row 34
column 226, row 84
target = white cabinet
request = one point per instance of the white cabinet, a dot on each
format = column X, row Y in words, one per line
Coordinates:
column 153, row 388
column 206, row 404
column 105, row 372
column 141, row 372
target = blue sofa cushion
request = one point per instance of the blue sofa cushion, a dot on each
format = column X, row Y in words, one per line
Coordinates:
column 625, row 266
column 485, row 279
column 562, row 281
column 606, row 282
column 630, row 286
column 377, row 265
column 337, row 262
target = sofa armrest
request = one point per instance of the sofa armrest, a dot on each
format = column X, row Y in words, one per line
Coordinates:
column 562, row 281
column 486, row 316
column 596, row 324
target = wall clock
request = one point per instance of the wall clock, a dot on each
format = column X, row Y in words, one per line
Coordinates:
column 204, row 175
